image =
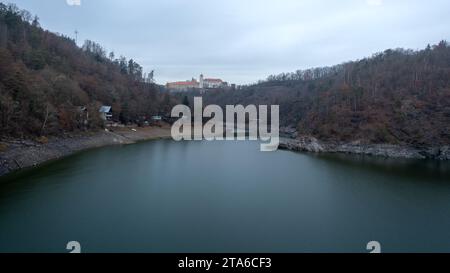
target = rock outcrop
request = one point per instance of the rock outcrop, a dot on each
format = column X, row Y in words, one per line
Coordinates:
column 311, row 144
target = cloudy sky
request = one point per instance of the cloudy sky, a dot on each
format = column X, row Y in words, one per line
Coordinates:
column 243, row 41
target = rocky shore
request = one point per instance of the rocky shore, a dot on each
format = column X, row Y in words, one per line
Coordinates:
column 310, row 144
column 19, row 154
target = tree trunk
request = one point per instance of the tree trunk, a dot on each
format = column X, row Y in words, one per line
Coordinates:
column 45, row 120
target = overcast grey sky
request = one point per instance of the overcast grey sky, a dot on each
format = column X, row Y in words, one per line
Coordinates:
column 243, row 41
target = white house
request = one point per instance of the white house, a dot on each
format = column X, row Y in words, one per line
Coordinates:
column 106, row 113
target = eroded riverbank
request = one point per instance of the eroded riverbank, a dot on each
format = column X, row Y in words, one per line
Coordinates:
column 309, row 144
column 19, row 154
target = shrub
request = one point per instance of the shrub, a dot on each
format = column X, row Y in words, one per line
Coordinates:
column 42, row 140
column 3, row 147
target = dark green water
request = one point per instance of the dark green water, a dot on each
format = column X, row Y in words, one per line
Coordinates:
column 164, row 196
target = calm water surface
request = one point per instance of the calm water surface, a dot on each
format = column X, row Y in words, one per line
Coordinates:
column 164, row 196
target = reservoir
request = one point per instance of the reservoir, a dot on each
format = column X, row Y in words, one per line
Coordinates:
column 225, row 196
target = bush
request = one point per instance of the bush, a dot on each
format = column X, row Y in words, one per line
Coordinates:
column 3, row 147
column 42, row 140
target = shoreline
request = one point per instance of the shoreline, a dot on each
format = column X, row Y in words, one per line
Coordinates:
column 21, row 154
column 310, row 144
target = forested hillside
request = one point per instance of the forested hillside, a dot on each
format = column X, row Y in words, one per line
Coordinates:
column 397, row 96
column 45, row 78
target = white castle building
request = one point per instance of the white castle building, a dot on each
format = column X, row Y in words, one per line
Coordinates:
column 211, row 83
column 204, row 83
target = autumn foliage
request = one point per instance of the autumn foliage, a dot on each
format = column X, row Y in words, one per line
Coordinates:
column 396, row 96
column 45, row 78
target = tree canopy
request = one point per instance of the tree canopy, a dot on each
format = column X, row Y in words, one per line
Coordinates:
column 45, row 78
column 396, row 96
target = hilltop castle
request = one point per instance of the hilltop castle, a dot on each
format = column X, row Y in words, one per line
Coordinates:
column 204, row 83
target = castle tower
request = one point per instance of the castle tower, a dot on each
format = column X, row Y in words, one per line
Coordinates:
column 201, row 81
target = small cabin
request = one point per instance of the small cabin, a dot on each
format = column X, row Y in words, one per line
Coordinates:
column 106, row 113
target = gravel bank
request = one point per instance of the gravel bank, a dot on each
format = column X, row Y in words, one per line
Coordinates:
column 19, row 154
